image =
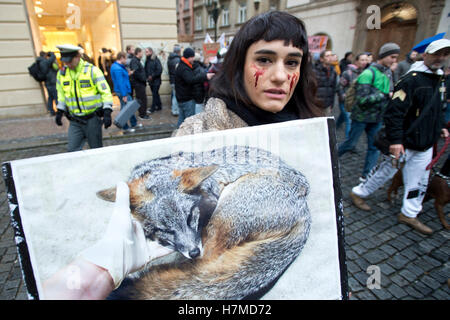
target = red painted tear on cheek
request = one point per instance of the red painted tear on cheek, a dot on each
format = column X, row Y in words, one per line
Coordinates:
column 258, row 73
column 293, row 81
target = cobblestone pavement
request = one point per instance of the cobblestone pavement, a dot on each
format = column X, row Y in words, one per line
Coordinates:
column 411, row 265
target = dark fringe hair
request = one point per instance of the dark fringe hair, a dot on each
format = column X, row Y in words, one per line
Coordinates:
column 274, row 25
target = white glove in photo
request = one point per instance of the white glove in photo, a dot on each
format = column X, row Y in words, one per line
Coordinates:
column 124, row 248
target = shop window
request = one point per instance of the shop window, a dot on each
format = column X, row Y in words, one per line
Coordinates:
column 93, row 24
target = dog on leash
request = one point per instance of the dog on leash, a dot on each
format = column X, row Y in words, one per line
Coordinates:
column 438, row 189
column 238, row 215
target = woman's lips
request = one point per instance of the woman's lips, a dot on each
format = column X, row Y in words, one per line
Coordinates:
column 275, row 93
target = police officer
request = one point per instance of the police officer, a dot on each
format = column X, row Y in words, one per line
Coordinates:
column 84, row 97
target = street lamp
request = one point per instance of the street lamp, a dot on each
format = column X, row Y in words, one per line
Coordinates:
column 215, row 11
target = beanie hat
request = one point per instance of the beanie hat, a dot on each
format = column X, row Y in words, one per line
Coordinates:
column 188, row 52
column 387, row 49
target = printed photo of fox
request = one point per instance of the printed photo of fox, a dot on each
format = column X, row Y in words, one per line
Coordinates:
column 238, row 215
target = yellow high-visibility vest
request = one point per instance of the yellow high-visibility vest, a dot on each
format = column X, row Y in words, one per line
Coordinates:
column 83, row 90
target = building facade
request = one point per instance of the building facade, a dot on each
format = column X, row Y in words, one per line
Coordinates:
column 196, row 17
column 350, row 25
column 102, row 27
column 29, row 26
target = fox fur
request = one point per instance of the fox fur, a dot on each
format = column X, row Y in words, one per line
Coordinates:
column 239, row 214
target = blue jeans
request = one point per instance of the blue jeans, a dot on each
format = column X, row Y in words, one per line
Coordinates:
column 198, row 107
column 133, row 120
column 356, row 130
column 174, row 100
column 344, row 117
column 186, row 109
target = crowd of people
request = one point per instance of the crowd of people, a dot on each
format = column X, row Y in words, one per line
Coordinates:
column 408, row 98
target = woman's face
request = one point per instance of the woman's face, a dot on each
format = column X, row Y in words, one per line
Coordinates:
column 271, row 73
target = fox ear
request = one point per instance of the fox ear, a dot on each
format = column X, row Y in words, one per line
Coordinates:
column 107, row 194
column 138, row 193
column 191, row 178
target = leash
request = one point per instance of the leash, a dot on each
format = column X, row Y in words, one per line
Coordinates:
column 440, row 153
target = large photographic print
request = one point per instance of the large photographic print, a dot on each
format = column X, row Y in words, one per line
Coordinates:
column 250, row 212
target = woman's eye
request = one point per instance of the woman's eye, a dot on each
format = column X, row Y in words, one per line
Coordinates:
column 293, row 63
column 263, row 60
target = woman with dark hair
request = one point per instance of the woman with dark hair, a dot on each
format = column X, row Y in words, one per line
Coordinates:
column 266, row 78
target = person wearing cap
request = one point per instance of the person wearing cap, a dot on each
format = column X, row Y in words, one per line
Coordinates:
column 372, row 90
column 185, row 78
column 84, row 97
column 421, row 90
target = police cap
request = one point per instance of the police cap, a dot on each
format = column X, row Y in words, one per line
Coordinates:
column 68, row 51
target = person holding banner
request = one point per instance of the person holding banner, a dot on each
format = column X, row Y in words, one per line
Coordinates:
column 266, row 78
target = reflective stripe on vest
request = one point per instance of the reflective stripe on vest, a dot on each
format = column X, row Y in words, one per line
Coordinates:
column 81, row 95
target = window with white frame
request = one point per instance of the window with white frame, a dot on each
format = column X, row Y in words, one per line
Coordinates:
column 210, row 21
column 242, row 14
column 187, row 27
column 225, row 17
column 198, row 21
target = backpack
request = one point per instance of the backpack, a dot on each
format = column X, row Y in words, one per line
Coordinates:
column 350, row 94
column 36, row 72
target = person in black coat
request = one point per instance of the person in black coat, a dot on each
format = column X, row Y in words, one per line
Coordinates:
column 326, row 80
column 153, row 70
column 46, row 63
column 343, row 64
column 172, row 63
column 138, row 81
column 185, row 79
column 199, row 87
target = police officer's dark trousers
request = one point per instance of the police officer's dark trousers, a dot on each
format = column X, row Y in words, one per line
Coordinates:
column 89, row 130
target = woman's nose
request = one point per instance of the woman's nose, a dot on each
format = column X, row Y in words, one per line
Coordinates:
column 279, row 73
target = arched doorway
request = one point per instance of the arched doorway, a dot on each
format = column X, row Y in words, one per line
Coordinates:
column 398, row 24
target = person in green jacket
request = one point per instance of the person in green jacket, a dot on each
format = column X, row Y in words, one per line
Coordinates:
column 373, row 89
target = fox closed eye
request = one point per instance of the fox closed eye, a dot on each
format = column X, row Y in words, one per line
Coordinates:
column 193, row 217
column 168, row 231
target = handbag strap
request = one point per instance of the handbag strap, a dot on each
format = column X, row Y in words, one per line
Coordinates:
column 425, row 110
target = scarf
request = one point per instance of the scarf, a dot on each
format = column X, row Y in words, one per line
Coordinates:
column 420, row 66
column 187, row 62
column 254, row 116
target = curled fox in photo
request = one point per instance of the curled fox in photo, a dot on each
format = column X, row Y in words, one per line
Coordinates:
column 238, row 215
